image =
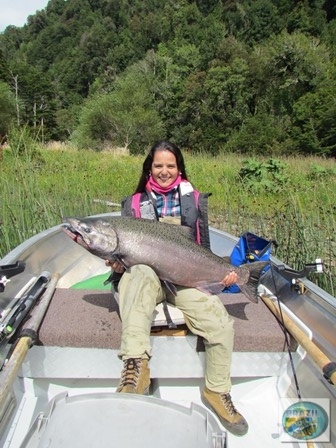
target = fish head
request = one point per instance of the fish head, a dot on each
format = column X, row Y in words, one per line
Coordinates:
column 96, row 236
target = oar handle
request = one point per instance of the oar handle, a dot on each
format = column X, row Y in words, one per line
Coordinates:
column 37, row 316
column 9, row 373
column 313, row 351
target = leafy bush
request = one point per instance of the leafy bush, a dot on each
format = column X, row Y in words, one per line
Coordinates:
column 319, row 172
column 125, row 117
column 263, row 176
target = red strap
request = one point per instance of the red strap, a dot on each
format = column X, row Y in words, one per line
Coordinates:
column 198, row 235
column 136, row 205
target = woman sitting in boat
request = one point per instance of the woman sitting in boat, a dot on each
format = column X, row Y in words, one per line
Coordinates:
column 164, row 193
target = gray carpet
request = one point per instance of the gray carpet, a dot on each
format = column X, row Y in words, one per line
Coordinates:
column 86, row 318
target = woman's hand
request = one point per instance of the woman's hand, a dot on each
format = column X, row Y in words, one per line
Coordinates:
column 115, row 266
column 230, row 279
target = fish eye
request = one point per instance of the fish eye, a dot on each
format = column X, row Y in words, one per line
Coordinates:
column 87, row 230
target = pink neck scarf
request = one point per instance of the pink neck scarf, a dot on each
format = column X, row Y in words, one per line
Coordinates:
column 152, row 185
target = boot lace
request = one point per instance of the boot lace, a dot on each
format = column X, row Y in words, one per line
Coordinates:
column 227, row 402
column 131, row 372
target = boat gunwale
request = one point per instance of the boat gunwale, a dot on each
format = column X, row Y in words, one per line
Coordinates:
column 317, row 294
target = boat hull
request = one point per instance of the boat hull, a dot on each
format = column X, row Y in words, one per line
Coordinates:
column 77, row 355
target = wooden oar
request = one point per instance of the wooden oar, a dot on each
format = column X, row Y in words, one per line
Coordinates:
column 313, row 351
column 10, row 370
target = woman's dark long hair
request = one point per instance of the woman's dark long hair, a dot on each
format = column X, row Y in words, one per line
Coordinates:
column 147, row 165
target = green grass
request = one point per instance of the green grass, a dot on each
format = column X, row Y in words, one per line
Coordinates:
column 39, row 189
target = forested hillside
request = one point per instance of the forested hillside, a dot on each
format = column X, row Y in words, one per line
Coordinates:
column 248, row 76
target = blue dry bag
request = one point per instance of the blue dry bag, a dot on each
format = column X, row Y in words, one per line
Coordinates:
column 249, row 248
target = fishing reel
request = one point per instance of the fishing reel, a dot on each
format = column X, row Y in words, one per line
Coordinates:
column 10, row 270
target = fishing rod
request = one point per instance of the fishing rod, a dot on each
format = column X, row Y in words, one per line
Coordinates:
column 26, row 339
column 22, row 307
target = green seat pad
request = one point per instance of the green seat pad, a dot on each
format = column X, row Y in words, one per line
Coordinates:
column 96, row 282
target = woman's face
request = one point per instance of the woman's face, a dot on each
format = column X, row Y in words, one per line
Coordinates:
column 164, row 167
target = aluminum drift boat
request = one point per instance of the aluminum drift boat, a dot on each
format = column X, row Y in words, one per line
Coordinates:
column 60, row 392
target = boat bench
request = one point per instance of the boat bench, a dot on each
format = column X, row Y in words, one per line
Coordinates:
column 90, row 319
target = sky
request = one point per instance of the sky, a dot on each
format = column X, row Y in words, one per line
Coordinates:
column 16, row 12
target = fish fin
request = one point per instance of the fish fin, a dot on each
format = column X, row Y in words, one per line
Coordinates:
column 119, row 259
column 109, row 279
column 250, row 289
column 211, row 288
column 171, row 287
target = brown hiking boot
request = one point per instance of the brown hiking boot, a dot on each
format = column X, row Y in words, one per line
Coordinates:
column 134, row 377
column 223, row 407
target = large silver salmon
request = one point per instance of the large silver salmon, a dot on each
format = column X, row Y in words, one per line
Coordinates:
column 168, row 249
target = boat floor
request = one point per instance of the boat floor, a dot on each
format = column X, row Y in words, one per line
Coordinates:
column 79, row 356
column 257, row 399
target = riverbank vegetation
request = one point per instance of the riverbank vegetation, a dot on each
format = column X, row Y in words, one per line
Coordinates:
column 291, row 200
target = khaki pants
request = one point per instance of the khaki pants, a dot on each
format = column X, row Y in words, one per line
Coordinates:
column 140, row 290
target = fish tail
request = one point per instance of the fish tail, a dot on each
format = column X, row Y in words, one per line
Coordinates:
column 250, row 289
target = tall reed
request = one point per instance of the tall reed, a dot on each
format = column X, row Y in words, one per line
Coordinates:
column 37, row 192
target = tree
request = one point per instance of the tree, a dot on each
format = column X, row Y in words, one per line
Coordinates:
column 216, row 68
column 262, row 134
column 37, row 23
column 223, row 105
column 262, row 21
column 329, row 38
column 35, row 94
column 307, row 17
column 289, row 66
column 124, row 117
column 172, row 70
column 4, row 69
column 7, row 108
column 314, row 121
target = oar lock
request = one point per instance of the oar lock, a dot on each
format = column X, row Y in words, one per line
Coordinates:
column 295, row 277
